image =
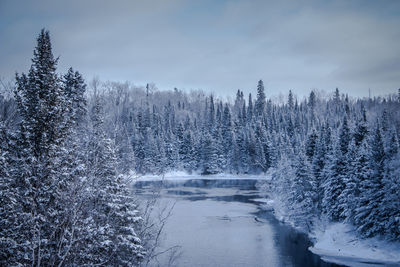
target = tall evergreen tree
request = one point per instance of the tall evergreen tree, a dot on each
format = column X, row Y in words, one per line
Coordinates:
column 250, row 109
column 261, row 99
column 335, row 174
column 369, row 214
column 74, row 89
column 112, row 218
column 44, row 126
column 290, row 100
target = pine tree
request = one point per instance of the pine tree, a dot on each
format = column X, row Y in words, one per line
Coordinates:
column 112, row 218
column 368, row 215
column 312, row 100
column 304, row 193
column 264, row 153
column 319, row 162
column 188, row 152
column 344, row 137
column 348, row 198
column 227, row 138
column 335, row 174
column 361, row 128
column 211, row 113
column 74, row 89
column 290, row 100
column 250, row 109
column 391, row 215
column 311, row 145
column 44, row 127
column 209, row 155
column 47, row 213
column 8, row 203
column 244, row 115
column 336, row 96
column 261, row 99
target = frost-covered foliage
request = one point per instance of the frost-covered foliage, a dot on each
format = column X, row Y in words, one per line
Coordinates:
column 62, row 200
column 341, row 168
column 329, row 156
column 341, row 165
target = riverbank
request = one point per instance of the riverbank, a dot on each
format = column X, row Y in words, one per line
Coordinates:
column 339, row 243
column 181, row 175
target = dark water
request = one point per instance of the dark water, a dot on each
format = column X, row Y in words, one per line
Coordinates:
column 221, row 223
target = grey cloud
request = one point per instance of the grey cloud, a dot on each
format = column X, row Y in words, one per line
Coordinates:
column 215, row 45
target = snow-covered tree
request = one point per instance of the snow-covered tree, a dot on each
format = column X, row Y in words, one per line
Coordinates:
column 112, row 220
column 368, row 215
column 261, row 100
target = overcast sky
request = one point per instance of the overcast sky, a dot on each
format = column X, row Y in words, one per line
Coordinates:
column 218, row 46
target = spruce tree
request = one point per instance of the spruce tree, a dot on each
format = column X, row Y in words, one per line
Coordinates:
column 290, row 100
column 348, row 198
column 209, row 155
column 250, row 109
column 261, row 99
column 361, row 127
column 335, row 174
column 304, row 193
column 44, row 126
column 311, row 145
column 112, row 219
column 369, row 214
column 74, row 89
column 8, row 203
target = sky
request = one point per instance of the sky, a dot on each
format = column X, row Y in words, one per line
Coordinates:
column 215, row 45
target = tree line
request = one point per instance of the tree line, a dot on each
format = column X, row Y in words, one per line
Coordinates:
column 64, row 145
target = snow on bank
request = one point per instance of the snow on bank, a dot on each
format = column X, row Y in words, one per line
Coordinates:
column 339, row 243
column 180, row 175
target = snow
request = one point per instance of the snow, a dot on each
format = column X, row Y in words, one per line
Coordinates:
column 339, row 243
column 181, row 175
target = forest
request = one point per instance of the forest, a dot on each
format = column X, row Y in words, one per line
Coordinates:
column 68, row 148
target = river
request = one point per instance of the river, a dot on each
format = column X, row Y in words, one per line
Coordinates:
column 221, row 223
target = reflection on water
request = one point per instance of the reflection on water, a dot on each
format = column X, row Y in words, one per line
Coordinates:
column 220, row 223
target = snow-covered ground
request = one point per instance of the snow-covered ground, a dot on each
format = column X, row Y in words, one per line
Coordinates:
column 339, row 243
column 180, row 175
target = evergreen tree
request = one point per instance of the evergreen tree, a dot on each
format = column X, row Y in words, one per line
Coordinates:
column 211, row 113
column 361, row 128
column 261, row 99
column 112, row 219
column 45, row 216
column 336, row 96
column 74, row 88
column 250, row 109
column 209, row 155
column 312, row 100
column 311, row 145
column 335, row 174
column 391, row 204
column 304, row 193
column 368, row 215
column 290, row 100
column 227, row 137
column 319, row 162
column 8, row 204
column 348, row 198
column 44, row 127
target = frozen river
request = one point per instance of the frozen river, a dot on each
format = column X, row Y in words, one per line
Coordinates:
column 221, row 223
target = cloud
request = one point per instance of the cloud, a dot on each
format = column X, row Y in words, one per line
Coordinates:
column 216, row 45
